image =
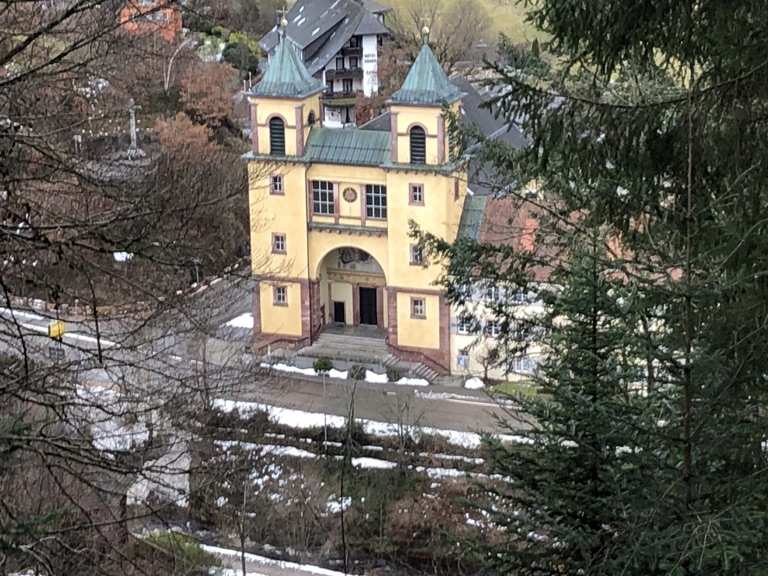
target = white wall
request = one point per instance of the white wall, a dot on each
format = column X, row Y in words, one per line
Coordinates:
column 370, row 65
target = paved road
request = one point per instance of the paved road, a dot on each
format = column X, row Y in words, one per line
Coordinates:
column 177, row 353
column 451, row 410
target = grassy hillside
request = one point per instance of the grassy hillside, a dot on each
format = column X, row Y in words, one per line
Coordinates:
column 506, row 16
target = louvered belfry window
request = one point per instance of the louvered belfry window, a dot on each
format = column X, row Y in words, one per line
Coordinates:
column 418, row 145
column 276, row 137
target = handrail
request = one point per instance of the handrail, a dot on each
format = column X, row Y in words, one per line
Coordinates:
column 423, row 358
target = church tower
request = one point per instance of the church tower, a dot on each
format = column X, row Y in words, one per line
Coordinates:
column 418, row 120
column 285, row 104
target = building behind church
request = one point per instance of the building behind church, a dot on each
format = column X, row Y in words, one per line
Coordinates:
column 339, row 42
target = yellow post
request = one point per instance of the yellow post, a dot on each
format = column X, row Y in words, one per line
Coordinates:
column 56, row 330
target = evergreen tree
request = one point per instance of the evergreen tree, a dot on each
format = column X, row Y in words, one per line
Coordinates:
column 647, row 123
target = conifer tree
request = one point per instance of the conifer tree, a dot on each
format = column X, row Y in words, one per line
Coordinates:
column 647, row 123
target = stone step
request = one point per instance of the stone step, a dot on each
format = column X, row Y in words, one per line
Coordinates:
column 391, row 361
column 425, row 372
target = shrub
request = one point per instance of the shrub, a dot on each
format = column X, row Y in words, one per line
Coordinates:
column 357, row 372
column 393, row 374
column 172, row 550
column 323, row 365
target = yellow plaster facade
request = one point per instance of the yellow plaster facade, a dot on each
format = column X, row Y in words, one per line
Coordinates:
column 331, row 214
column 311, row 244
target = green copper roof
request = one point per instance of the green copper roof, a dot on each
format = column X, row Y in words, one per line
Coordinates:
column 472, row 217
column 286, row 75
column 347, row 146
column 426, row 82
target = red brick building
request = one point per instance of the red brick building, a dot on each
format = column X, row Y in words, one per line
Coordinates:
column 161, row 17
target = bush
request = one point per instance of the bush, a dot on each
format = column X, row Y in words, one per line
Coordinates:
column 393, row 374
column 323, row 365
column 357, row 372
column 172, row 550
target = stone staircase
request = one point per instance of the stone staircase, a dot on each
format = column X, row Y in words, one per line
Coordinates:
column 412, row 370
column 370, row 351
column 355, row 349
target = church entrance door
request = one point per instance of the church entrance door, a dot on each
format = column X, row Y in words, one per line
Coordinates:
column 368, row 306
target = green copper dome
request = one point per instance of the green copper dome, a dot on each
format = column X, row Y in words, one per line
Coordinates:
column 426, row 83
column 286, row 75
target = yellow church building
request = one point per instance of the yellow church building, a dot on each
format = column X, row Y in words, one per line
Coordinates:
column 331, row 209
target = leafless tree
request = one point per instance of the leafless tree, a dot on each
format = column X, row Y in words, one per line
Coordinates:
column 95, row 426
column 454, row 28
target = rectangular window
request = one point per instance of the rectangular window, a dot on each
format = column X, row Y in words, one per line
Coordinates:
column 520, row 297
column 418, row 308
column 323, row 201
column 353, row 63
column 524, row 365
column 464, row 325
column 339, row 63
column 376, row 201
column 416, row 195
column 493, row 328
column 493, row 294
column 278, row 244
column 280, row 294
column 276, row 186
column 329, row 85
column 417, row 255
column 347, row 85
column 462, row 361
column 354, row 42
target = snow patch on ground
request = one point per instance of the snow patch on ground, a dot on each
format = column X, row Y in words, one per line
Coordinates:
column 474, row 384
column 263, row 560
column 269, row 449
column 373, row 378
column 333, row 373
column 242, row 321
column 334, row 505
column 412, row 382
column 299, row 419
column 373, row 463
column 21, row 314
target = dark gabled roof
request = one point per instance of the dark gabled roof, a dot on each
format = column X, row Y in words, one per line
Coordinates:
column 484, row 119
column 426, row 83
column 320, row 28
column 308, row 20
column 376, row 8
column 286, row 75
column 348, row 146
column 382, row 122
column 369, row 25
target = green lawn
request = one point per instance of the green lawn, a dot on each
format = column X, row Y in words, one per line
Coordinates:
column 524, row 388
column 506, row 16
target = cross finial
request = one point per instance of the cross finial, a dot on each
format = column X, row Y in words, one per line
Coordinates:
column 282, row 22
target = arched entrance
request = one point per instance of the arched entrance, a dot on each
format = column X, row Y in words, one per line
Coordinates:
column 352, row 288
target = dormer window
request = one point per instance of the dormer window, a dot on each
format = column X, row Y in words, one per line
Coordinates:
column 276, row 137
column 418, row 145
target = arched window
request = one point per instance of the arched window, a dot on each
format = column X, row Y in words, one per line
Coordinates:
column 311, row 118
column 418, row 145
column 276, row 137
